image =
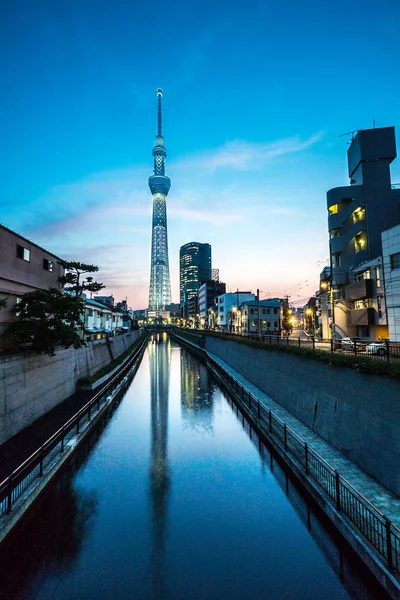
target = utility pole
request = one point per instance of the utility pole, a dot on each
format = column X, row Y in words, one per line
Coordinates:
column 258, row 312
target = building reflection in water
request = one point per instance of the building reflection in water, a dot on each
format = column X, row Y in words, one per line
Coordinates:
column 159, row 351
column 196, row 395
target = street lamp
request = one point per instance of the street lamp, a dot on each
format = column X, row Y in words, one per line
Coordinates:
column 233, row 312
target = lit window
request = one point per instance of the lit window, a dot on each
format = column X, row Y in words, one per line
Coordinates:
column 23, row 253
column 360, row 241
column 378, row 276
column 359, row 214
column 333, row 209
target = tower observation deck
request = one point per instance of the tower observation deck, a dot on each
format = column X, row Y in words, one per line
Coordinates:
column 159, row 184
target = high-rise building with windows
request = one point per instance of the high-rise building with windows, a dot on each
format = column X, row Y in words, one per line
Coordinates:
column 159, row 183
column 195, row 269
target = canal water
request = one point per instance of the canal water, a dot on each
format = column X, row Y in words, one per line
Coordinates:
column 177, row 498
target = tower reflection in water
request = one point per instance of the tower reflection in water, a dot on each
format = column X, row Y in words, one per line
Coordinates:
column 159, row 351
column 196, row 395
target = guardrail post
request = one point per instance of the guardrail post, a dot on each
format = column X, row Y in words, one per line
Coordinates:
column 258, row 408
column 331, row 345
column 355, row 348
column 89, row 416
column 9, row 495
column 287, row 341
column 306, row 457
column 313, row 342
column 62, row 442
column 41, row 464
column 77, row 425
column 250, row 401
column 389, row 543
column 270, row 421
column 299, row 341
column 337, row 482
column 285, row 435
column 387, row 350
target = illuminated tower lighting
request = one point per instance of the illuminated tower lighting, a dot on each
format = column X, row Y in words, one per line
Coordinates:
column 159, row 184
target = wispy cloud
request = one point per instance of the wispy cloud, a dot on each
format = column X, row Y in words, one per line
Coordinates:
column 247, row 156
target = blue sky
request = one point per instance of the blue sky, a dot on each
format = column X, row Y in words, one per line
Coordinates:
column 256, row 95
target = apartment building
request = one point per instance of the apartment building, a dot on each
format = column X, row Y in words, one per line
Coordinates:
column 208, row 293
column 225, row 305
column 391, row 279
column 24, row 267
column 101, row 320
column 247, row 320
column 358, row 214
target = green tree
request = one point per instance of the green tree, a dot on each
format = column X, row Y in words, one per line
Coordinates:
column 46, row 319
column 286, row 320
column 3, row 303
column 77, row 285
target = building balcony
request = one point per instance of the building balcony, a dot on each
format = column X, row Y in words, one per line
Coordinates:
column 361, row 316
column 359, row 289
column 340, row 276
column 339, row 243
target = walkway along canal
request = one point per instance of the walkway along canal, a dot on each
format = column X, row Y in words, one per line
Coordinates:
column 176, row 497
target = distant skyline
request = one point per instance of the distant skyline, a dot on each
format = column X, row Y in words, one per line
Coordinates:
column 256, row 97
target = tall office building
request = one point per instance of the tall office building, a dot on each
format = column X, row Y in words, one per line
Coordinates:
column 159, row 184
column 195, row 269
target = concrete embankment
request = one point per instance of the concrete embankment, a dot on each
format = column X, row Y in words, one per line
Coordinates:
column 31, row 385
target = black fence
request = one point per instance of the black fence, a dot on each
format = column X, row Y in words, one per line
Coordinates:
column 14, row 486
column 377, row 529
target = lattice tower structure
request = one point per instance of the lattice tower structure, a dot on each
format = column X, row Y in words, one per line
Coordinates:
column 159, row 184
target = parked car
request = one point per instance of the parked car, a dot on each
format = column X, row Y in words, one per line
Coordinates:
column 349, row 344
column 376, row 348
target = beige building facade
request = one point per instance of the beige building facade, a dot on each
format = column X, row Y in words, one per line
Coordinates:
column 24, row 267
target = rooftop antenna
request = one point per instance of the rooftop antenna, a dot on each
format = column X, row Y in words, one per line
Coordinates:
column 373, row 120
column 351, row 133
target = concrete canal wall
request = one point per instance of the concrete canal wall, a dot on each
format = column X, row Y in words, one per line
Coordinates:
column 31, row 385
column 358, row 414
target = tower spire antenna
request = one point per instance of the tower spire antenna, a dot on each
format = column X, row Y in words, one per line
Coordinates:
column 159, row 112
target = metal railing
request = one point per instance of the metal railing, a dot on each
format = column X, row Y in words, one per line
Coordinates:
column 377, row 529
column 385, row 350
column 14, row 486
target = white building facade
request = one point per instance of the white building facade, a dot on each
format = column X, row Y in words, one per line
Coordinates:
column 391, row 269
column 101, row 320
column 268, row 322
column 227, row 305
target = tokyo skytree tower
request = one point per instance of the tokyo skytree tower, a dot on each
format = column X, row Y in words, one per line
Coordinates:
column 159, row 184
